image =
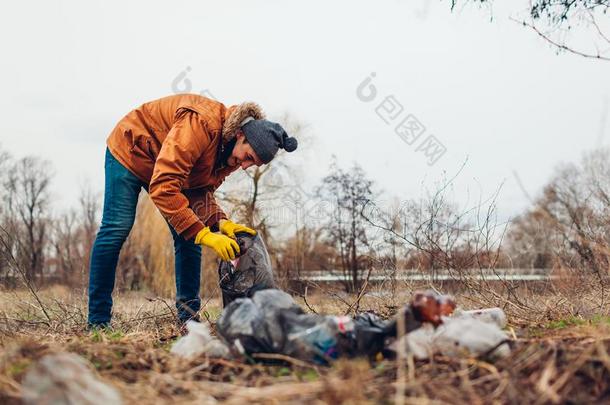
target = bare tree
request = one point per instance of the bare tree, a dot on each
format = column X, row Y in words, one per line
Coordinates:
column 389, row 253
column 71, row 237
column 567, row 229
column 27, row 203
column 89, row 211
column 4, row 263
column 572, row 217
column 532, row 240
column 66, row 258
column 347, row 192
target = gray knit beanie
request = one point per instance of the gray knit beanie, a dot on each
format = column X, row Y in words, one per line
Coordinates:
column 267, row 137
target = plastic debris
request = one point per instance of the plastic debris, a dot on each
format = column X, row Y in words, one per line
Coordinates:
column 66, row 378
column 258, row 318
column 460, row 335
column 256, row 325
column 431, row 307
column 199, row 340
column 488, row 315
column 271, row 322
column 471, row 336
column 250, row 272
column 419, row 342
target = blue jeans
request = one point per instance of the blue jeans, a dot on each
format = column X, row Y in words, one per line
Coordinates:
column 120, row 200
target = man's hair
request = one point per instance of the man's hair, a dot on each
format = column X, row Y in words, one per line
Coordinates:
column 245, row 140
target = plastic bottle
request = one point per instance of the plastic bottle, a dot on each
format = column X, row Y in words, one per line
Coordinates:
column 321, row 339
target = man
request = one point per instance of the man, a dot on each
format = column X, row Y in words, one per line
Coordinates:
column 180, row 149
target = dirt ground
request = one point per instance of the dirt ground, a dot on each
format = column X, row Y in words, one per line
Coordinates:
column 563, row 360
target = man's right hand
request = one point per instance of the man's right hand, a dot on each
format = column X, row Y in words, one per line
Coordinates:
column 225, row 247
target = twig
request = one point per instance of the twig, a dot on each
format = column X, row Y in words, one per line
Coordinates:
column 307, row 303
column 356, row 303
column 558, row 45
column 167, row 306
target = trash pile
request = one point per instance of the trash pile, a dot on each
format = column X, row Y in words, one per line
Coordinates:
column 258, row 318
column 271, row 322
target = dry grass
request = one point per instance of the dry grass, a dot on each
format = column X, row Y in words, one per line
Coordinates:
column 557, row 361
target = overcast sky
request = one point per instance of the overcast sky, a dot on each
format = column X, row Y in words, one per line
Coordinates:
column 491, row 92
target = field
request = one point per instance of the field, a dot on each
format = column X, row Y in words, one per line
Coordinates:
column 561, row 360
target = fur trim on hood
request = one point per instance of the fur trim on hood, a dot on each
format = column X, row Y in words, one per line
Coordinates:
column 237, row 114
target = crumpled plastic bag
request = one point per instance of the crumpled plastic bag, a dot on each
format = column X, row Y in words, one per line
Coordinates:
column 248, row 273
column 472, row 336
column 488, row 315
column 462, row 334
column 420, row 342
column 199, row 340
column 254, row 325
column 66, row 378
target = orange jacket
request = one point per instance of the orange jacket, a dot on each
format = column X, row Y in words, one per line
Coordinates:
column 173, row 144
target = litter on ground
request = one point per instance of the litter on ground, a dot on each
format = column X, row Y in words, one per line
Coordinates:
column 259, row 318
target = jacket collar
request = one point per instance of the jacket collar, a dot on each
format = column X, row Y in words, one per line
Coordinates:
column 235, row 115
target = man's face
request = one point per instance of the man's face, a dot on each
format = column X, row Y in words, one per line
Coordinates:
column 243, row 155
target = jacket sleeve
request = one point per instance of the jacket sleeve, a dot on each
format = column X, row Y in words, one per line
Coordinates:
column 183, row 146
column 205, row 206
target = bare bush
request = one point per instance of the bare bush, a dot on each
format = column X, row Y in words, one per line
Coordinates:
column 567, row 228
column 462, row 245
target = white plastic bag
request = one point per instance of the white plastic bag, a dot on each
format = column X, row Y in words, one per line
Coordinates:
column 472, row 336
column 462, row 334
column 199, row 341
column 420, row 342
column 488, row 315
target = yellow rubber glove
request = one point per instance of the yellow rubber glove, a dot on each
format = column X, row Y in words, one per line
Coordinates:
column 230, row 228
column 225, row 247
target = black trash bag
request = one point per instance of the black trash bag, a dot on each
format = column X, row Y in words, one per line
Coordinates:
column 373, row 335
column 252, row 325
column 271, row 322
column 248, row 273
column 370, row 335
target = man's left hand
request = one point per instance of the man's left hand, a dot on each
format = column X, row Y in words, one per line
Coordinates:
column 229, row 228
